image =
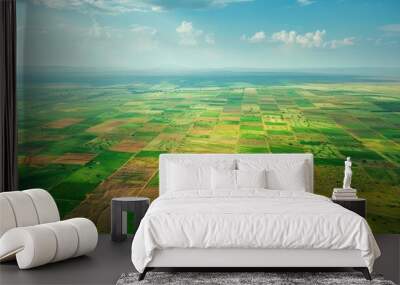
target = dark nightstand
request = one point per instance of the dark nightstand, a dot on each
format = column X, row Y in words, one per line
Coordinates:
column 119, row 208
column 358, row 205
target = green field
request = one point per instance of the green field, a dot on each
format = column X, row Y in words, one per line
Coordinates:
column 88, row 144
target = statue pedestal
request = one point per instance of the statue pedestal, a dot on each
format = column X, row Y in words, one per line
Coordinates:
column 344, row 194
column 345, row 190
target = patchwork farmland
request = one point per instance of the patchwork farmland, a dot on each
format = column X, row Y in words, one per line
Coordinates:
column 87, row 145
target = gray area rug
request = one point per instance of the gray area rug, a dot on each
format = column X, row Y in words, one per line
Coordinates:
column 273, row 278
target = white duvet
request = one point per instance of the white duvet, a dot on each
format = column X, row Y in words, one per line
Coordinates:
column 250, row 219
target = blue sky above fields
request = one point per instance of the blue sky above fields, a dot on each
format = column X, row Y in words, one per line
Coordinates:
column 209, row 34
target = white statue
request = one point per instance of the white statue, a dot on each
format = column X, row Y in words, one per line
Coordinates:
column 347, row 174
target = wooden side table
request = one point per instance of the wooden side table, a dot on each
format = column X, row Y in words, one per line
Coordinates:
column 357, row 205
column 119, row 208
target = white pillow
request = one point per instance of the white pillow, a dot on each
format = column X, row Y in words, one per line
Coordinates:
column 287, row 174
column 204, row 162
column 292, row 179
column 181, row 177
column 251, row 178
column 188, row 174
column 223, row 179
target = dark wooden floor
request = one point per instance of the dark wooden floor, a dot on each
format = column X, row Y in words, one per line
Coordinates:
column 110, row 260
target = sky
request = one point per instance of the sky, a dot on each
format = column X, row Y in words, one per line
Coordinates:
column 208, row 34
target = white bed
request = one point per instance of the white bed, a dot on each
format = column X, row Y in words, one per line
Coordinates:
column 249, row 227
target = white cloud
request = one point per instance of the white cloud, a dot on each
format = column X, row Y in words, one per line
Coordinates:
column 307, row 40
column 189, row 36
column 193, row 4
column 145, row 30
column 60, row 4
column 99, row 31
column 285, row 37
column 185, row 28
column 95, row 30
column 209, row 38
column 139, row 38
column 125, row 6
column 304, row 2
column 96, row 6
column 157, row 9
column 340, row 43
column 314, row 39
column 392, row 28
column 258, row 37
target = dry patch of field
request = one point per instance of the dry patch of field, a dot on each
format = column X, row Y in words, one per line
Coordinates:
column 250, row 91
column 77, row 109
column 152, row 127
column 201, row 132
column 39, row 160
column 138, row 120
column 110, row 125
column 325, row 105
column 226, row 130
column 129, row 145
column 75, row 158
column 62, row 123
column 106, row 126
column 135, row 173
column 42, row 137
column 165, row 142
column 230, row 118
column 250, row 108
column 223, row 140
column 150, row 192
column 174, row 137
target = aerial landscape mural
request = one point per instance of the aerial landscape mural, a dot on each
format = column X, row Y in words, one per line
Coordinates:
column 105, row 87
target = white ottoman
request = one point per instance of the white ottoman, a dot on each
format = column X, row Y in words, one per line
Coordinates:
column 33, row 243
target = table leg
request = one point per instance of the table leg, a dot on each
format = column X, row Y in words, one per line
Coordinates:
column 116, row 222
column 139, row 212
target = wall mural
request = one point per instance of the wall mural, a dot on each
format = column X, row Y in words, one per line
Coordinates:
column 104, row 87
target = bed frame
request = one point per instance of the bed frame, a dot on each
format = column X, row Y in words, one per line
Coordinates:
column 246, row 258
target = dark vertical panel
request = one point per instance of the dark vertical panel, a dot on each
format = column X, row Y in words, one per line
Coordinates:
column 8, row 132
